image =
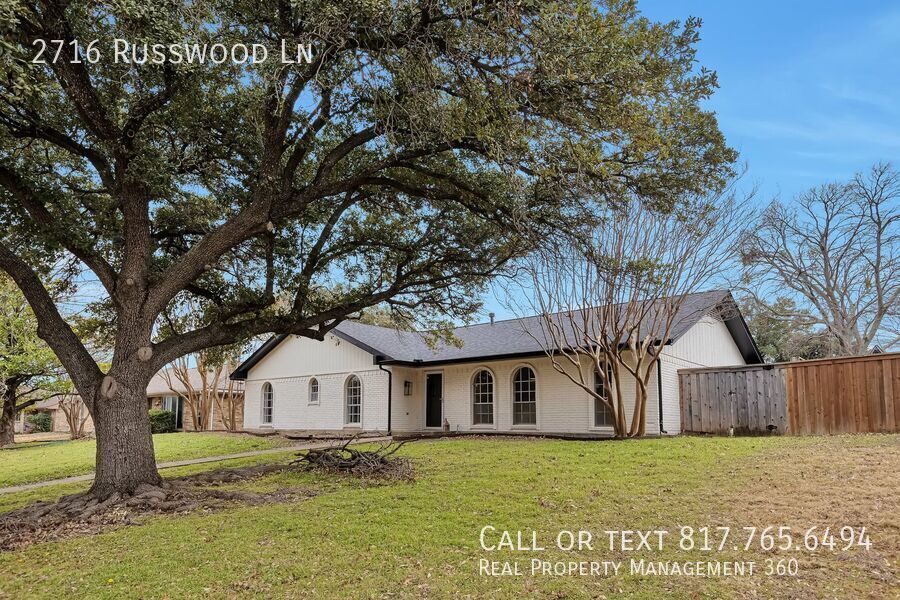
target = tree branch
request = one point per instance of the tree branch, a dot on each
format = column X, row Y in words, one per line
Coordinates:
column 46, row 221
column 52, row 328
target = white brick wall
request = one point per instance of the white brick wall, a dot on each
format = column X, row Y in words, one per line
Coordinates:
column 289, row 368
column 562, row 406
column 408, row 412
column 292, row 409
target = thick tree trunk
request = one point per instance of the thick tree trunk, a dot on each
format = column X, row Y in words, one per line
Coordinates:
column 125, row 458
column 8, row 415
column 8, row 419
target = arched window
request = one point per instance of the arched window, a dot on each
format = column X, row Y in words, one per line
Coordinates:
column 603, row 416
column 353, row 400
column 313, row 391
column 268, row 403
column 524, row 397
column 483, row 398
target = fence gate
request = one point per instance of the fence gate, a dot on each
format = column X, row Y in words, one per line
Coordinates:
column 751, row 399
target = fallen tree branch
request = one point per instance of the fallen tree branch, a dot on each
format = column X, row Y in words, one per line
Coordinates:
column 379, row 463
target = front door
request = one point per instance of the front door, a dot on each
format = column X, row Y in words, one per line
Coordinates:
column 179, row 414
column 434, row 390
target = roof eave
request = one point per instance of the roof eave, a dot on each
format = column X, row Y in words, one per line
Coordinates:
column 749, row 349
column 270, row 344
column 243, row 369
column 479, row 358
column 363, row 346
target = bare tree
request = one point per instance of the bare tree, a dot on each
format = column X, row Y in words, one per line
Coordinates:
column 837, row 248
column 211, row 388
column 199, row 404
column 610, row 295
column 228, row 398
column 76, row 414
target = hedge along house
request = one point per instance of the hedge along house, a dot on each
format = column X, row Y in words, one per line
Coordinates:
column 364, row 378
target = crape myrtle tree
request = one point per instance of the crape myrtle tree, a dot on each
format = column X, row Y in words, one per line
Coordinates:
column 211, row 387
column 399, row 166
column 203, row 380
column 75, row 413
column 609, row 294
column 202, row 377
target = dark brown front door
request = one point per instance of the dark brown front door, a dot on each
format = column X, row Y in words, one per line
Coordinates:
column 434, row 388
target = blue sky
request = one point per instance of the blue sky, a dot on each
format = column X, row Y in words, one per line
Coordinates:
column 809, row 92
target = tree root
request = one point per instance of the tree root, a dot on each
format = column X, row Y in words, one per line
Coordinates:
column 86, row 514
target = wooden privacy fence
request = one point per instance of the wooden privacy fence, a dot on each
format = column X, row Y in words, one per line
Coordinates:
column 858, row 394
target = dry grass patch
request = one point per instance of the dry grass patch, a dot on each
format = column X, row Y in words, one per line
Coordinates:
column 834, row 482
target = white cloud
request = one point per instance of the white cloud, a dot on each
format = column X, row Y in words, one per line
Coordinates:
column 853, row 93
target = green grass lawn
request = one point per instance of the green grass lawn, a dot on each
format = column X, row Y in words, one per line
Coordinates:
column 421, row 539
column 40, row 461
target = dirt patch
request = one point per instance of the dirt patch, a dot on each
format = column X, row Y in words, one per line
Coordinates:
column 834, row 482
column 83, row 514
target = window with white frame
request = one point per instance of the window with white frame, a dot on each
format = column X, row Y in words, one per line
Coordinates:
column 268, row 403
column 603, row 416
column 483, row 398
column 524, row 397
column 353, row 401
column 313, row 391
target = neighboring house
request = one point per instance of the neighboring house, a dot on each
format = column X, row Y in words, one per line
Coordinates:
column 368, row 378
column 161, row 395
column 166, row 392
column 59, row 423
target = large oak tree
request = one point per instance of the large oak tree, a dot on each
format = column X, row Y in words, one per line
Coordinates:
column 400, row 166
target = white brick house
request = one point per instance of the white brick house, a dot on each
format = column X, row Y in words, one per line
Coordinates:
column 368, row 378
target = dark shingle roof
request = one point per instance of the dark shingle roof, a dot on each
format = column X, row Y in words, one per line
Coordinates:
column 514, row 337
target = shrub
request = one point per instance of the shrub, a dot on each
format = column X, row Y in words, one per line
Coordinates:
column 41, row 422
column 162, row 421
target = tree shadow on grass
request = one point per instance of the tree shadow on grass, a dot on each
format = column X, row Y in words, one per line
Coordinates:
column 85, row 514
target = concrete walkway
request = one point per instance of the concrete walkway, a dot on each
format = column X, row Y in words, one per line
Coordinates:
column 193, row 461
